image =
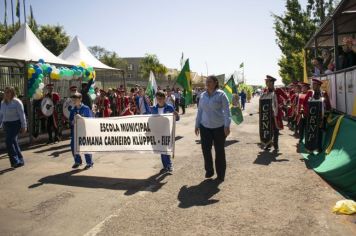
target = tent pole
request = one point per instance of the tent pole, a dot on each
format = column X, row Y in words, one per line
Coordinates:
column 123, row 77
column 28, row 104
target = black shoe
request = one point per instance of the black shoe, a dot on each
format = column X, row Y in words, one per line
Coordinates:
column 76, row 165
column 268, row 147
column 209, row 174
column 220, row 179
column 88, row 166
column 18, row 165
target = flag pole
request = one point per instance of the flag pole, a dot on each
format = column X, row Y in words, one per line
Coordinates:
column 12, row 14
column 24, row 10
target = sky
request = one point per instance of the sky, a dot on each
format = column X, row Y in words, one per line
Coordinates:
column 216, row 35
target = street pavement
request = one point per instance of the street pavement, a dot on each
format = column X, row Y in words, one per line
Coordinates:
column 124, row 194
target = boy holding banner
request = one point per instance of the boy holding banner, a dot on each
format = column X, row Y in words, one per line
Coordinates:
column 81, row 110
column 161, row 108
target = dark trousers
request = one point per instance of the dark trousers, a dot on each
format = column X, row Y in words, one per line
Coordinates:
column 12, row 129
column 275, row 137
column 301, row 128
column 243, row 102
column 50, row 128
column 217, row 137
column 176, row 104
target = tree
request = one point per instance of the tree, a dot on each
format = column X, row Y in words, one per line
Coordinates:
column 98, row 51
column 151, row 63
column 107, row 57
column 113, row 60
column 318, row 10
column 54, row 38
column 293, row 29
column 6, row 33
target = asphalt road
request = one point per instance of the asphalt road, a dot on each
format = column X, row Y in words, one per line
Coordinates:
column 263, row 194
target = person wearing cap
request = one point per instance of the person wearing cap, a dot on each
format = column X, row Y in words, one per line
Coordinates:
column 278, row 98
column 303, row 99
column 73, row 89
column 84, row 111
column 52, row 121
column 318, row 94
column 13, row 121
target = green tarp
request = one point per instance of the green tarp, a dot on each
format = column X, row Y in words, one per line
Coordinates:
column 339, row 166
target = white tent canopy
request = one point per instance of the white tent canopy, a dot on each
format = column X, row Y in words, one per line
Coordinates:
column 25, row 46
column 77, row 52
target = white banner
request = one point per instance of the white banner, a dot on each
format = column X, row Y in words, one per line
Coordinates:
column 140, row 133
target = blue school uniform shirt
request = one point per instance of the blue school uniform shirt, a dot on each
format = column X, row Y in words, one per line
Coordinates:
column 83, row 110
column 166, row 109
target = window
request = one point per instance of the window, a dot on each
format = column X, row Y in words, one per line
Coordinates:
column 129, row 75
column 130, row 67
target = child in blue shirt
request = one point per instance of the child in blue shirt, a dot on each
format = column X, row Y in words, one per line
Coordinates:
column 84, row 111
column 161, row 108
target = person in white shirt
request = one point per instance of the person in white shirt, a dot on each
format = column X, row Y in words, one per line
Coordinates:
column 170, row 99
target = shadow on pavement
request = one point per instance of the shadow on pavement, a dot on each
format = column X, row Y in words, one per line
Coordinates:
column 227, row 142
column 266, row 158
column 178, row 138
column 6, row 170
column 132, row 186
column 198, row 195
column 58, row 153
column 53, row 148
column 230, row 142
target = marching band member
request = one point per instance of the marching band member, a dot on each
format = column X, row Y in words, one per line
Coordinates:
column 119, row 102
column 84, row 111
column 52, row 121
column 317, row 94
column 278, row 98
column 104, row 105
column 303, row 109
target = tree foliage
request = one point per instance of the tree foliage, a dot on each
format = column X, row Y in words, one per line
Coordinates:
column 293, row 29
column 54, row 38
column 318, row 10
column 151, row 63
column 108, row 57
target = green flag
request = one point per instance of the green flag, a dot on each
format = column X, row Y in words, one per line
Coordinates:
column 185, row 81
column 242, row 65
column 18, row 9
column 230, row 88
column 152, row 88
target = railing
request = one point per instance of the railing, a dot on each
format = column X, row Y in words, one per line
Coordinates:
column 341, row 87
